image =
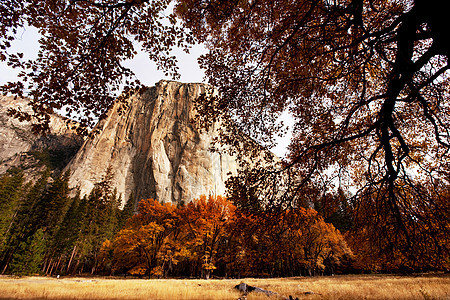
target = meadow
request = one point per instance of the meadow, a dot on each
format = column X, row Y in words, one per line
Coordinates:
column 333, row 287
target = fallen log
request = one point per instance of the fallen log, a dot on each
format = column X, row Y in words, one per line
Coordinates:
column 245, row 289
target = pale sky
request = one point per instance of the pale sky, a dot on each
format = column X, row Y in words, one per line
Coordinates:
column 148, row 74
column 26, row 43
column 143, row 67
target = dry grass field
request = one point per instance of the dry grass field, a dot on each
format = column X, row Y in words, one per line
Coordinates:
column 336, row 287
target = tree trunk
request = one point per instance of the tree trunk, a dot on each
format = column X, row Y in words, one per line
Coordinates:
column 71, row 257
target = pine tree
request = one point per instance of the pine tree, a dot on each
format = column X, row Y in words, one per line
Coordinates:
column 69, row 230
column 79, row 220
column 100, row 222
column 28, row 257
column 53, row 204
column 126, row 212
column 24, row 223
column 10, row 190
column 30, row 215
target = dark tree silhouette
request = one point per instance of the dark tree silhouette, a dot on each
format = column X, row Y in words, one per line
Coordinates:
column 366, row 83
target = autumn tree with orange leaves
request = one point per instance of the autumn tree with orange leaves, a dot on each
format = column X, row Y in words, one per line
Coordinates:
column 297, row 242
column 366, row 83
column 137, row 247
column 378, row 244
column 210, row 236
column 206, row 225
column 161, row 236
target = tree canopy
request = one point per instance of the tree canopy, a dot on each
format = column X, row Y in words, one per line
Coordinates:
column 79, row 67
column 366, row 82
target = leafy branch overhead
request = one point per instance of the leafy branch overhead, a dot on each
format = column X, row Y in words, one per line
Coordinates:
column 79, row 67
column 365, row 81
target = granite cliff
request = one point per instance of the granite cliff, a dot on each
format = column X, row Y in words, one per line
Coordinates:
column 150, row 144
column 154, row 149
column 20, row 148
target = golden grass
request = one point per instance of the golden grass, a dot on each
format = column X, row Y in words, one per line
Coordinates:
column 337, row 287
column 359, row 287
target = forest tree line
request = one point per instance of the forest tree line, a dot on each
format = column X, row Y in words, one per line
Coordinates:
column 44, row 230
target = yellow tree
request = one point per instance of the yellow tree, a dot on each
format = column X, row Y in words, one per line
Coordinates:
column 323, row 246
column 295, row 242
column 373, row 234
column 137, row 246
column 206, row 224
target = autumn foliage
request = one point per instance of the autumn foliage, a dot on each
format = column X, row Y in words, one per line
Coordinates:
column 366, row 86
column 210, row 236
column 422, row 243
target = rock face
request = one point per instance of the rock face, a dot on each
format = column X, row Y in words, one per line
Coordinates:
column 154, row 149
column 20, row 148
